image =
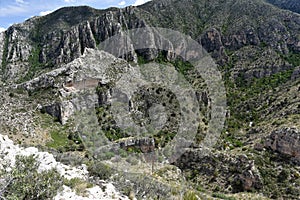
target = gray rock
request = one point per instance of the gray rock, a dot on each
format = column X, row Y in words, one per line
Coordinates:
column 145, row 145
column 285, row 141
column 18, row 49
column 296, row 74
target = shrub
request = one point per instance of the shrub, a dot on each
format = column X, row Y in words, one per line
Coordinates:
column 190, row 195
column 100, row 170
column 25, row 182
column 222, row 196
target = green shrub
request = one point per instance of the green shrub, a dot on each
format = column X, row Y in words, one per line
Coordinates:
column 190, row 195
column 100, row 170
column 78, row 185
column 222, row 196
column 24, row 181
column 63, row 140
column 292, row 58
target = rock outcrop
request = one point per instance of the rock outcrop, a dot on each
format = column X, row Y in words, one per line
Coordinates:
column 286, row 142
column 2, row 44
column 145, row 145
column 77, row 82
column 9, row 151
column 32, row 46
column 16, row 50
column 296, row 74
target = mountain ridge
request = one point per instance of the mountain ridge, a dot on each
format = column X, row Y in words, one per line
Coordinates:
column 196, row 29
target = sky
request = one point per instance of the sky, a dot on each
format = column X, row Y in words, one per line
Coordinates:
column 17, row 11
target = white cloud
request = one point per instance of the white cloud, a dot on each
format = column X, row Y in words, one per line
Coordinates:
column 140, row 2
column 20, row 1
column 69, row 1
column 2, row 29
column 45, row 12
column 122, row 3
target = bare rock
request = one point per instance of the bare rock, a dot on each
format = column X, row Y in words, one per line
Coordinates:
column 296, row 74
column 145, row 145
column 285, row 141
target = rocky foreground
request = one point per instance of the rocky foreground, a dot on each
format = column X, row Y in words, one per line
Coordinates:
column 46, row 161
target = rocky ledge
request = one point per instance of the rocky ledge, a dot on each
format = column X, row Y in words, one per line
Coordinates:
column 286, row 142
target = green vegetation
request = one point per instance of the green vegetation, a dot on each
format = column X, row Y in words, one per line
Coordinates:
column 34, row 65
column 100, row 170
column 276, row 180
column 180, row 65
column 235, row 142
column 222, row 196
column 4, row 56
column 59, row 140
column 115, row 134
column 24, row 181
column 106, row 123
column 190, row 195
column 292, row 58
column 64, row 141
column 141, row 60
column 257, row 85
column 242, row 97
column 163, row 137
column 78, row 185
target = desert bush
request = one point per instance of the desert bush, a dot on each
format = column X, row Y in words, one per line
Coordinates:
column 25, row 182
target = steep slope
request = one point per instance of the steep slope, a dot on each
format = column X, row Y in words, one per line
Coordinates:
column 234, row 24
column 256, row 45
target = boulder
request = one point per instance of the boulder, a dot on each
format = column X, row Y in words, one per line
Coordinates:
column 286, row 142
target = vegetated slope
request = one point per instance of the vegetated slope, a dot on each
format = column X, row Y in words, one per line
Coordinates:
column 255, row 44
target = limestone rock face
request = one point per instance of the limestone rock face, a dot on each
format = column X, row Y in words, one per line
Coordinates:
column 63, row 47
column 296, row 74
column 2, row 39
column 67, row 46
column 31, row 46
column 9, row 151
column 145, row 145
column 76, row 82
column 16, row 50
column 285, row 141
column 212, row 42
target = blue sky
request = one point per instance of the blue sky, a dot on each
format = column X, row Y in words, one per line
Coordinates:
column 16, row 11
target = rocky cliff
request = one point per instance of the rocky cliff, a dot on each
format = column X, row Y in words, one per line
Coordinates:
column 243, row 26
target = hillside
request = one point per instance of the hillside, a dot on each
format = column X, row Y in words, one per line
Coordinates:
column 73, row 84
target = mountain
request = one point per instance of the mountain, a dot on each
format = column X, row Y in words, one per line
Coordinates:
column 60, row 93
